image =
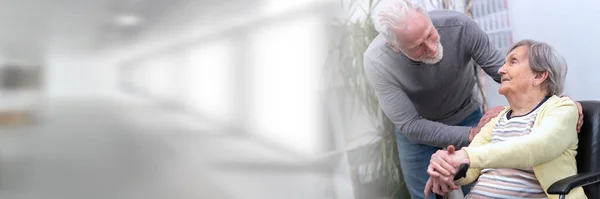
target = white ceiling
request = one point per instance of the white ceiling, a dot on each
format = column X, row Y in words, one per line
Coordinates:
column 31, row 29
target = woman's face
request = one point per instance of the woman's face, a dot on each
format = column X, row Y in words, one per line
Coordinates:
column 517, row 76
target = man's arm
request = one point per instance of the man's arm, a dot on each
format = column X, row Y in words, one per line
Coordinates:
column 485, row 54
column 398, row 107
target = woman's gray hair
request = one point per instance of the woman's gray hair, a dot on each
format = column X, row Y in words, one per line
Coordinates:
column 389, row 16
column 543, row 58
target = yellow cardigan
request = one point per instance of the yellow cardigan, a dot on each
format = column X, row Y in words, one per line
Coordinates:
column 550, row 148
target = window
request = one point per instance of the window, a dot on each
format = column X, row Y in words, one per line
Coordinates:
column 285, row 65
column 207, row 79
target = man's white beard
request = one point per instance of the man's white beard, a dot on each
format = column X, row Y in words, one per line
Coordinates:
column 435, row 59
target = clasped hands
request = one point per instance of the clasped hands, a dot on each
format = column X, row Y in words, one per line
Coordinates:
column 442, row 168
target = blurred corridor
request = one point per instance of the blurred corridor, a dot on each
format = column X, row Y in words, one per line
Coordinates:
column 157, row 99
column 96, row 149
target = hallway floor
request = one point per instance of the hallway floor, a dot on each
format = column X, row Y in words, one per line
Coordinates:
column 107, row 150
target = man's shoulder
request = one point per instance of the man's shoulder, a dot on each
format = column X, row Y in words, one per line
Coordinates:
column 376, row 48
column 380, row 57
column 378, row 52
column 447, row 18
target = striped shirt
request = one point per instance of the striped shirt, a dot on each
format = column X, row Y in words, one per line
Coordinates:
column 509, row 182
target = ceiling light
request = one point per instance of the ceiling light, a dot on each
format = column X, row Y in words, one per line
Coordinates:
column 279, row 6
column 128, row 20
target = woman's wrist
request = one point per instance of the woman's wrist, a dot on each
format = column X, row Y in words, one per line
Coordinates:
column 461, row 157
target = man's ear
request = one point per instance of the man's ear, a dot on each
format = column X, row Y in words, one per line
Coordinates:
column 540, row 78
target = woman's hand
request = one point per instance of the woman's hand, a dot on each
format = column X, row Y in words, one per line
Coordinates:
column 445, row 163
column 439, row 185
column 441, row 163
column 442, row 168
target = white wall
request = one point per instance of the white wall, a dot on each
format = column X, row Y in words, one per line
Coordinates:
column 286, row 61
column 280, row 51
column 74, row 68
column 572, row 28
column 71, row 67
column 72, row 75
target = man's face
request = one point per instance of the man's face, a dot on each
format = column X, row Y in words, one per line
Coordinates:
column 419, row 40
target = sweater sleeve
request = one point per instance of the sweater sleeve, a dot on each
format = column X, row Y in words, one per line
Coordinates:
column 481, row 49
column 400, row 110
column 554, row 134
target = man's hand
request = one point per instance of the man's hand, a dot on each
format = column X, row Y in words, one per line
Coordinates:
column 439, row 186
column 489, row 115
column 473, row 132
column 579, row 111
column 580, row 120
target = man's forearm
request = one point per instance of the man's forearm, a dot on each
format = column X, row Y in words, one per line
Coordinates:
column 436, row 134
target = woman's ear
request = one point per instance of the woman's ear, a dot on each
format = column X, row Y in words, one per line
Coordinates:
column 540, row 78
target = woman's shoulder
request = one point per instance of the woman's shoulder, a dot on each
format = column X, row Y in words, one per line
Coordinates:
column 556, row 103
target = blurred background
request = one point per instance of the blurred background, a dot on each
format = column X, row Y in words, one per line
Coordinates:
column 162, row 99
column 128, row 99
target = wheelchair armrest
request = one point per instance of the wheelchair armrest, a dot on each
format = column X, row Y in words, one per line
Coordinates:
column 462, row 172
column 565, row 185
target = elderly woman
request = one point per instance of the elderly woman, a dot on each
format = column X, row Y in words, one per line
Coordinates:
column 531, row 144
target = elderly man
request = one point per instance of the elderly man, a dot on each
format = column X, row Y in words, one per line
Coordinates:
column 419, row 66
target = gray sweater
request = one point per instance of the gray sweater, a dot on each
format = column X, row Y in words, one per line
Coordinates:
column 426, row 101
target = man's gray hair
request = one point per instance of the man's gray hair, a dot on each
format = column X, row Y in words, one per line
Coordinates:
column 543, row 58
column 392, row 12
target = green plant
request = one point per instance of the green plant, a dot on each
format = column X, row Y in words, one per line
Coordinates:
column 352, row 36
